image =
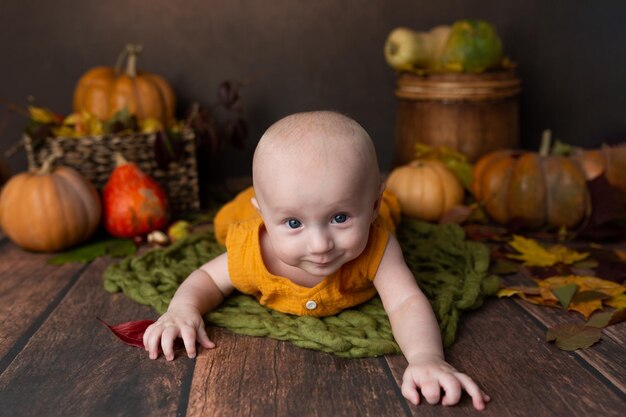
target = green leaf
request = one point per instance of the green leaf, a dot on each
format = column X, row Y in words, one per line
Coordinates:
column 565, row 294
column 118, row 248
column 89, row 252
column 571, row 336
column 600, row 320
column 605, row 319
column 590, row 295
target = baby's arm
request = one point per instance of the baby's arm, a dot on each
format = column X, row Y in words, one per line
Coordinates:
column 203, row 290
column 416, row 330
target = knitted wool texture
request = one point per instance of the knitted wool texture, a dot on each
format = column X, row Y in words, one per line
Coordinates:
column 451, row 271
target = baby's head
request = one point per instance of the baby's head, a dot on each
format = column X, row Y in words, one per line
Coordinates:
column 311, row 151
column 314, row 169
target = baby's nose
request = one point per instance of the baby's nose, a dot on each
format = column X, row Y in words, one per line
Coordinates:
column 320, row 241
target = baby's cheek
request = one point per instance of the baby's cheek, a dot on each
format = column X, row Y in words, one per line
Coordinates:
column 355, row 243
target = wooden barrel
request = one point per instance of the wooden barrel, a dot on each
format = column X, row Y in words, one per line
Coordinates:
column 472, row 113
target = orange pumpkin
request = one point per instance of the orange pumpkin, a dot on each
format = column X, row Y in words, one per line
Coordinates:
column 103, row 91
column 49, row 210
column 531, row 188
column 426, row 189
column 608, row 160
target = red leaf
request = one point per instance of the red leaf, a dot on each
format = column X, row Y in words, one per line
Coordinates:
column 130, row 332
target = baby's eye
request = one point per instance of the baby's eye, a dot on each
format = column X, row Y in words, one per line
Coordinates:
column 340, row 218
column 294, row 223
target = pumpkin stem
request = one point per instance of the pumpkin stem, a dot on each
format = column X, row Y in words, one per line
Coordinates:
column 130, row 53
column 546, row 143
column 46, row 167
column 119, row 159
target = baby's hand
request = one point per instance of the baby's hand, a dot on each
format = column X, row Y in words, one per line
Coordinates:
column 182, row 321
column 430, row 375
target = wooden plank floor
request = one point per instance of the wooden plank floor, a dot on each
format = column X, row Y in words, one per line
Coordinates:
column 57, row 360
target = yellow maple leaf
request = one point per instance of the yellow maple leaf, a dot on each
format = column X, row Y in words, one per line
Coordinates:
column 533, row 254
column 586, row 308
column 529, row 294
column 508, row 292
column 42, row 115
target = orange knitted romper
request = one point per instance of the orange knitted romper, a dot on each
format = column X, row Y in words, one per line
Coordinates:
column 238, row 224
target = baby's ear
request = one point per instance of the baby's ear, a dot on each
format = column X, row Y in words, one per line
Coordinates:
column 378, row 201
column 255, row 204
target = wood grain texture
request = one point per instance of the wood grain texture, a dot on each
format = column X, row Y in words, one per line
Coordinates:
column 505, row 352
column 73, row 365
column 247, row 376
column 28, row 285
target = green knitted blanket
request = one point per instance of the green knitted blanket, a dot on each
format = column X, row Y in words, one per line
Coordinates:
column 451, row 271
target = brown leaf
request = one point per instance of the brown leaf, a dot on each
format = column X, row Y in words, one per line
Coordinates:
column 570, row 336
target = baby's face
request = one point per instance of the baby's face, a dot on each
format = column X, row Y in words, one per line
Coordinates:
column 316, row 222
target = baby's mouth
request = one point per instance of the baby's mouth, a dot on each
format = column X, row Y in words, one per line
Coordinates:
column 322, row 262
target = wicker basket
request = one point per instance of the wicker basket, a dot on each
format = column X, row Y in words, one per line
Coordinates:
column 93, row 157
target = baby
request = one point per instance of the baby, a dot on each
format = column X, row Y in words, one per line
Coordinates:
column 314, row 236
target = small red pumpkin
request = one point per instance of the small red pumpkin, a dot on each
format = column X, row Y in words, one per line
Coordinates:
column 134, row 204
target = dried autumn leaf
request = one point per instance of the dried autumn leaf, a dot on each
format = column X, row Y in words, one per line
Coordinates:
column 130, row 332
column 590, row 295
column 571, row 337
column 607, row 319
column 586, row 302
column 530, row 294
column 618, row 302
column 599, row 320
column 586, row 308
column 533, row 254
column 508, row 292
column 43, row 115
column 565, row 294
column 586, row 305
column 585, row 283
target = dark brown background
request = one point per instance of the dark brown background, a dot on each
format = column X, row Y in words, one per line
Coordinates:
column 317, row 54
